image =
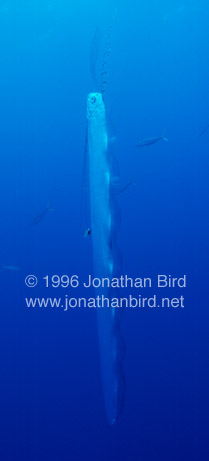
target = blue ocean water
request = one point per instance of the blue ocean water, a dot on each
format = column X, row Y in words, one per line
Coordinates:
column 51, row 392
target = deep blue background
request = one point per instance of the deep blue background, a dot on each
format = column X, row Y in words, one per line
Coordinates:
column 51, row 397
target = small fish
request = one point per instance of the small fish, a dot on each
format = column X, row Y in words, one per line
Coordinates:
column 150, row 141
column 9, row 268
column 87, row 232
column 121, row 189
column 41, row 215
column 203, row 131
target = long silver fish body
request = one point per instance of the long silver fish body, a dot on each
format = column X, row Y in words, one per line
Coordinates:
column 111, row 343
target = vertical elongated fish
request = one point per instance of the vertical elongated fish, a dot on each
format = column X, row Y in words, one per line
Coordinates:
column 104, row 255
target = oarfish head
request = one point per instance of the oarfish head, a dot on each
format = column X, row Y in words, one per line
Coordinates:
column 94, row 104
